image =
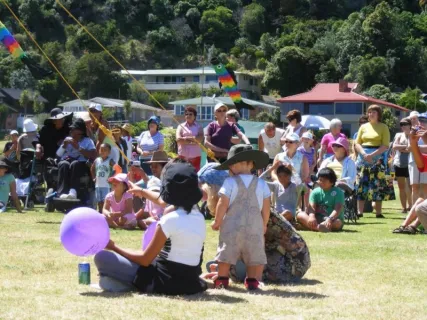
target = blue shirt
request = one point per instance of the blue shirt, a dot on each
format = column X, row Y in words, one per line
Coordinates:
column 86, row 144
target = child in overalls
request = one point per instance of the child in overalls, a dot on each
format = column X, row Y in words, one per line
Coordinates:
column 242, row 215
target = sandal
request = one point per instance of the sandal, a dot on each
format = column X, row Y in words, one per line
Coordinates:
column 400, row 229
column 410, row 230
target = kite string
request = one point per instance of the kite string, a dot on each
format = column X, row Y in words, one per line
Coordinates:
column 106, row 131
column 207, row 151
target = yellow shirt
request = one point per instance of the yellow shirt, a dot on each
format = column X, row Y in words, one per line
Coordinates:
column 336, row 166
column 374, row 135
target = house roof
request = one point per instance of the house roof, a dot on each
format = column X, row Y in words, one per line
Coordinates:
column 226, row 100
column 15, row 94
column 2, row 95
column 176, row 72
column 329, row 92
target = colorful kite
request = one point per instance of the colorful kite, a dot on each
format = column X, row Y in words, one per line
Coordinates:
column 227, row 81
column 16, row 51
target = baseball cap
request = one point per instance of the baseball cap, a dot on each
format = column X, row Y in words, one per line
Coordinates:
column 95, row 106
column 292, row 137
column 307, row 135
column 219, row 105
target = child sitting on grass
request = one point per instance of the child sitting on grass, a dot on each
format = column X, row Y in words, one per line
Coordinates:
column 285, row 194
column 325, row 212
column 7, row 186
column 242, row 215
column 101, row 170
column 118, row 205
column 153, row 210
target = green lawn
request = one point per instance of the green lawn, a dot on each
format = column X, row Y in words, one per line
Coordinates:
column 364, row 272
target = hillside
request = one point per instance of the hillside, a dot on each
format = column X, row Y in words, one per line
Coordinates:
column 294, row 43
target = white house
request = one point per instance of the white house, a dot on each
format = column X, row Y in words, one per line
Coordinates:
column 172, row 80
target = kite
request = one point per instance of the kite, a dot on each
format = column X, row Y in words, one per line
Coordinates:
column 227, row 81
column 16, row 51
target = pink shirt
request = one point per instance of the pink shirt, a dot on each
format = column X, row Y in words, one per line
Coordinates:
column 153, row 209
column 121, row 206
column 189, row 151
column 328, row 139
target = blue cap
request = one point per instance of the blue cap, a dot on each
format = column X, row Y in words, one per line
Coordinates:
column 155, row 119
column 208, row 174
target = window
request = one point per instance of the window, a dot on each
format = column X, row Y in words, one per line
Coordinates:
column 211, row 78
column 246, row 78
column 320, row 109
column 179, row 110
column 204, row 112
column 167, row 79
column 398, row 113
column 251, row 82
column 349, row 108
column 255, row 82
column 346, row 129
column 196, row 79
column 245, row 114
column 288, row 106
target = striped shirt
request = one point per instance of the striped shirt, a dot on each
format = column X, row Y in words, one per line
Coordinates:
column 150, row 143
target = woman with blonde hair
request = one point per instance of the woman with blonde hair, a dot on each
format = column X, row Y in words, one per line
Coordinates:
column 372, row 143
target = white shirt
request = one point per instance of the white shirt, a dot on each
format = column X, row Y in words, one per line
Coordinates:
column 186, row 234
column 272, row 145
column 230, row 190
column 103, row 172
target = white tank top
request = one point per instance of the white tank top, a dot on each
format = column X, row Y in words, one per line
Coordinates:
column 272, row 145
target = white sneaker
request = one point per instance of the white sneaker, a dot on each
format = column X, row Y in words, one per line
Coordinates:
column 72, row 196
column 63, row 196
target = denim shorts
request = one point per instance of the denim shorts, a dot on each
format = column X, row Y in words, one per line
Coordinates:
column 101, row 193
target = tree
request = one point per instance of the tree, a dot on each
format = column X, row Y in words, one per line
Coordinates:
column 368, row 71
column 38, row 106
column 379, row 91
column 252, row 24
column 22, row 79
column 288, row 72
column 137, row 93
column 389, row 119
column 264, row 117
column 25, row 100
column 411, row 99
column 127, row 107
column 188, row 92
column 161, row 97
column 218, row 27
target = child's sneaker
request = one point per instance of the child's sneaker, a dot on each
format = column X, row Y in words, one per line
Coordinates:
column 221, row 283
column 251, row 284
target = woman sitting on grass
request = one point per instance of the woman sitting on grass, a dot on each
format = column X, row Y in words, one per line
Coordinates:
column 325, row 212
column 171, row 263
column 7, row 186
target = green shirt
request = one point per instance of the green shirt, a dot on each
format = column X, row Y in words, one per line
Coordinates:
column 5, row 182
column 324, row 202
column 240, row 127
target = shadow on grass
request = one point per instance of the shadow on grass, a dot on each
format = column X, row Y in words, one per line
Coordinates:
column 306, row 282
column 49, row 222
column 365, row 223
column 106, row 294
column 349, row 230
column 280, row 293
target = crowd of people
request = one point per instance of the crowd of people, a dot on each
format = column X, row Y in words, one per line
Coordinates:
column 257, row 198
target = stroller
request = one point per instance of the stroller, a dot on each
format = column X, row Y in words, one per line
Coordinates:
column 30, row 184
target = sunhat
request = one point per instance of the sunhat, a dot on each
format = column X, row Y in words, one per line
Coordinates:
column 14, row 132
column 127, row 127
column 159, row 157
column 414, row 114
column 58, row 114
column 343, row 142
column 307, row 135
column 85, row 116
column 95, row 106
column 121, row 177
column 245, row 152
column 29, row 126
column 180, row 185
column 154, row 119
column 219, row 105
column 292, row 137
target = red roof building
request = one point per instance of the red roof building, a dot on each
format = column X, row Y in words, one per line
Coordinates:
column 336, row 100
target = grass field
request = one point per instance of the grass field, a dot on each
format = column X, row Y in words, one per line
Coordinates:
column 364, row 272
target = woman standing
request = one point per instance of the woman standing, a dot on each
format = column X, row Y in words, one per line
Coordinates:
column 188, row 136
column 401, row 162
column 372, row 144
column 326, row 150
column 294, row 117
column 148, row 142
column 219, row 134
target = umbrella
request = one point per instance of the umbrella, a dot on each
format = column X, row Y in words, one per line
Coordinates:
column 315, row 122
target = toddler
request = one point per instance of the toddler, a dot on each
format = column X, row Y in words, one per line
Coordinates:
column 101, row 170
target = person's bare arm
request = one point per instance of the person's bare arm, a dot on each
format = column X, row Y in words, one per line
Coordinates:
column 242, row 136
column 260, row 143
column 14, row 196
column 149, row 195
column 322, row 152
column 161, row 147
column 106, row 208
column 128, row 206
column 92, row 171
column 209, row 145
column 266, row 212
column 88, row 154
column 276, row 164
column 305, row 170
column 221, row 209
column 142, row 258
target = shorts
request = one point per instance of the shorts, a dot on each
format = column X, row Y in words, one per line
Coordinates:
column 101, row 193
column 415, row 177
column 401, row 172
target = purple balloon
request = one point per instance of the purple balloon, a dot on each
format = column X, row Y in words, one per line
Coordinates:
column 148, row 235
column 84, row 232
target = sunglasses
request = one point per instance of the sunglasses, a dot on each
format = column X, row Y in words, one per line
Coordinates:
column 290, row 142
column 221, row 110
column 404, row 124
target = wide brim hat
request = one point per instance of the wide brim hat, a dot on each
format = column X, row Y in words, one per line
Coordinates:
column 159, row 157
column 127, row 127
column 180, row 185
column 343, row 142
column 29, row 126
column 244, row 152
column 58, row 114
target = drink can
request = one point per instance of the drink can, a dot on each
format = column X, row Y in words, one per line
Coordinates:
column 84, row 273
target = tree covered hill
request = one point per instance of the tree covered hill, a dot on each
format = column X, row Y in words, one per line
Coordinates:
column 293, row 43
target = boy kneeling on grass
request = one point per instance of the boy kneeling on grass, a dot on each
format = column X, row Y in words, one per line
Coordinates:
column 325, row 212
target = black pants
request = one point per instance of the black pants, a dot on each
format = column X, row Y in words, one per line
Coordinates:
column 69, row 174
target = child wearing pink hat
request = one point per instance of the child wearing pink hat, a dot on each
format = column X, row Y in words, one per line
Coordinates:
column 118, row 205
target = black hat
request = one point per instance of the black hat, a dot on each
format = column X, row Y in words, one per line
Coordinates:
column 180, row 185
column 58, row 114
column 79, row 124
column 4, row 164
column 245, row 152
